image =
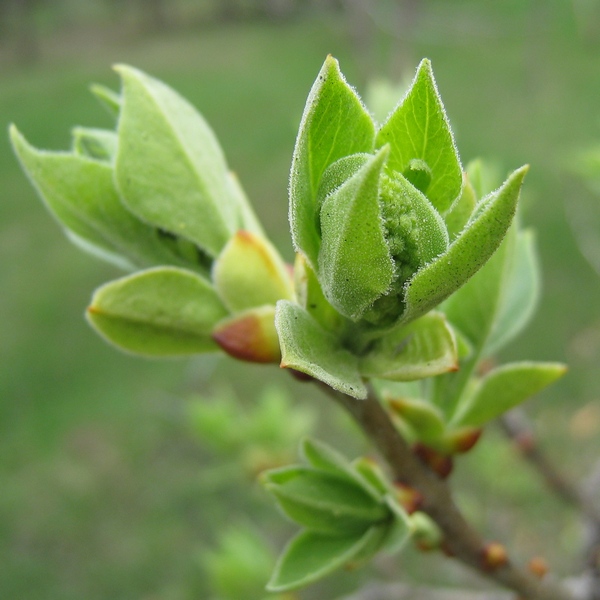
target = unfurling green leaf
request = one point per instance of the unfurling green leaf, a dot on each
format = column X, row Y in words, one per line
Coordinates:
column 108, row 98
column 310, row 556
column 159, row 312
column 335, row 124
column 100, row 144
column 170, row 169
column 324, row 502
column 355, row 267
column 504, row 388
column 425, row 420
column 419, row 130
column 468, row 253
column 249, row 272
column 461, row 210
column 307, row 347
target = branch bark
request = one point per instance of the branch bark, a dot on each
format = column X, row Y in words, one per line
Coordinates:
column 461, row 539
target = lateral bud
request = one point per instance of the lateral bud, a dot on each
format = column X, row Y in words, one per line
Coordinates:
column 410, row 499
column 439, row 463
column 426, row 534
column 538, row 566
column 494, row 556
column 462, row 440
column 250, row 335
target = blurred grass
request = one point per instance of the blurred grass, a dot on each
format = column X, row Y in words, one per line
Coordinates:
column 102, row 493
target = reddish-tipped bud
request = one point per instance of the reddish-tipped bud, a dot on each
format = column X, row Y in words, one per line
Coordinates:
column 439, row 463
column 462, row 440
column 494, row 556
column 410, row 499
column 538, row 566
column 250, row 336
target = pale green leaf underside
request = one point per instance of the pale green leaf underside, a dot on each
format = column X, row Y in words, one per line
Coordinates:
column 355, row 266
column 310, row 556
column 424, row 348
column 324, row 502
column 419, row 129
column 467, row 254
column 307, row 347
column 163, row 311
column 522, row 289
column 334, row 124
column 81, row 194
column 504, row 388
column 170, row 169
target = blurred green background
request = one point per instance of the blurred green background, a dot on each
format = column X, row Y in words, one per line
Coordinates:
column 106, row 490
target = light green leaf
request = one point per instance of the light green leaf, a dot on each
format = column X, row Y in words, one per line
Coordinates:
column 249, row 272
column 419, row 129
column 107, row 97
column 322, row 501
column 462, row 208
column 170, row 169
column 355, row 266
column 424, row 418
column 310, row 296
column 424, row 348
column 307, row 347
column 467, row 254
column 521, row 292
column 311, row 556
column 100, row 144
column 323, row 457
column 158, row 312
column 334, row 124
column 80, row 193
column 504, row 388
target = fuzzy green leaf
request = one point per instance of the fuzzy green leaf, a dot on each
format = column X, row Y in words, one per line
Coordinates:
column 504, row 388
column 158, row 312
column 419, row 129
column 322, row 501
column 424, row 348
column 311, row 556
column 80, row 193
column 462, row 208
column 249, row 272
column 467, row 254
column 110, row 99
column 170, row 169
column 521, row 292
column 355, row 266
column 307, row 347
column 334, row 124
column 100, row 144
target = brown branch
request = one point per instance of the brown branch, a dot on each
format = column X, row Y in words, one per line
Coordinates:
column 461, row 539
column 517, row 427
column 398, row 591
